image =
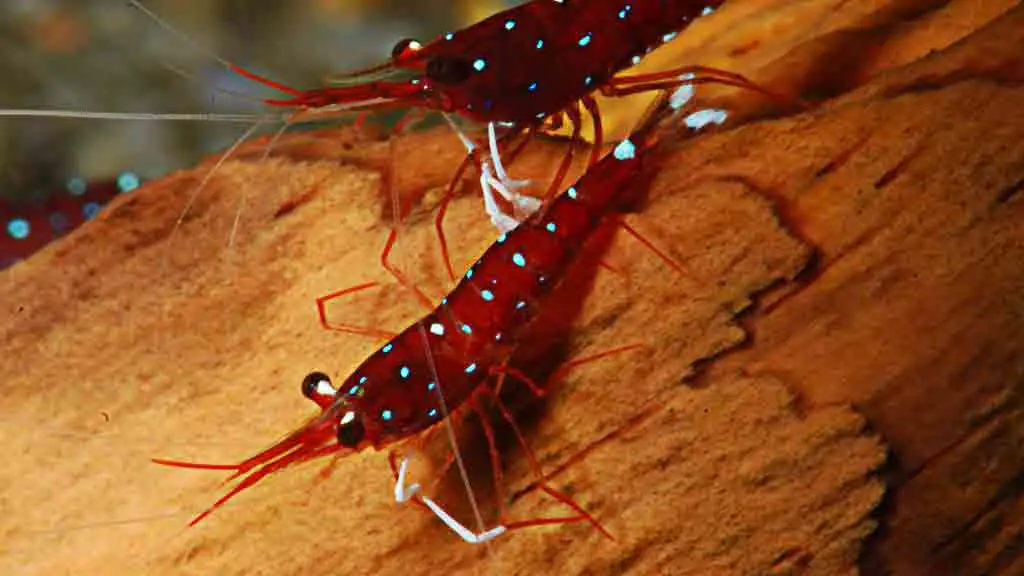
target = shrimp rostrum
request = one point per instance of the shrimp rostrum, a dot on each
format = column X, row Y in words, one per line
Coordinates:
column 442, row 362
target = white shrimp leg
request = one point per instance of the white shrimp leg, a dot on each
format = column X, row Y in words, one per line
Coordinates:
column 501, row 221
column 522, row 205
column 404, row 493
column 499, row 168
column 463, row 532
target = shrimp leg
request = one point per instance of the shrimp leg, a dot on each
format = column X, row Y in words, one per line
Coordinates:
column 625, row 85
column 405, row 493
column 321, row 309
column 499, row 168
column 523, row 206
column 500, row 182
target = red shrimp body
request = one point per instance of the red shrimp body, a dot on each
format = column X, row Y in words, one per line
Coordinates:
column 534, row 60
column 478, row 324
column 519, row 65
column 394, row 394
column 28, row 227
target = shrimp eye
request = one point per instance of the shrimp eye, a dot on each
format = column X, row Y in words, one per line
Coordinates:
column 350, row 430
column 317, row 387
column 404, row 47
column 448, row 70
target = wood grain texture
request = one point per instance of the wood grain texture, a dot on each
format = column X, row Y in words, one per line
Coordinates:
column 848, row 323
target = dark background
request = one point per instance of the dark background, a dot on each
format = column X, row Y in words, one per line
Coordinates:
column 103, row 55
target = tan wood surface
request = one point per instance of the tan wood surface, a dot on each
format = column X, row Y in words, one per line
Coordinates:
column 832, row 385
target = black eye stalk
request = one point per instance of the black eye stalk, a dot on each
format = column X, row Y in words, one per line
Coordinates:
column 350, row 430
column 317, row 387
column 404, row 48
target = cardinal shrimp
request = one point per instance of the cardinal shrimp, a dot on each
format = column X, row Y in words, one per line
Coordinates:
column 439, row 366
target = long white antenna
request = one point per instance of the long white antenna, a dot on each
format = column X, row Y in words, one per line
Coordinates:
column 245, row 194
column 187, row 117
column 188, row 40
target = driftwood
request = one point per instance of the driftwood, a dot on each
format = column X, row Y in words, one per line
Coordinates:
column 831, row 386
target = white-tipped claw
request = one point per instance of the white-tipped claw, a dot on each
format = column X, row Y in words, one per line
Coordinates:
column 525, row 206
column 503, row 222
column 522, row 206
column 405, row 493
column 463, row 532
column 499, row 168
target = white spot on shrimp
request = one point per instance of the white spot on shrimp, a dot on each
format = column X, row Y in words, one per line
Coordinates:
column 683, row 94
column 77, row 186
column 707, row 10
column 571, row 192
column 626, row 150
column 387, row 347
column 350, row 416
column 479, row 64
column 385, row 414
column 668, row 37
column 519, row 260
column 437, row 328
column 585, row 39
column 702, row 118
column 19, row 228
column 324, row 388
column 128, row 181
column 510, row 24
column 487, row 295
column 471, row 368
